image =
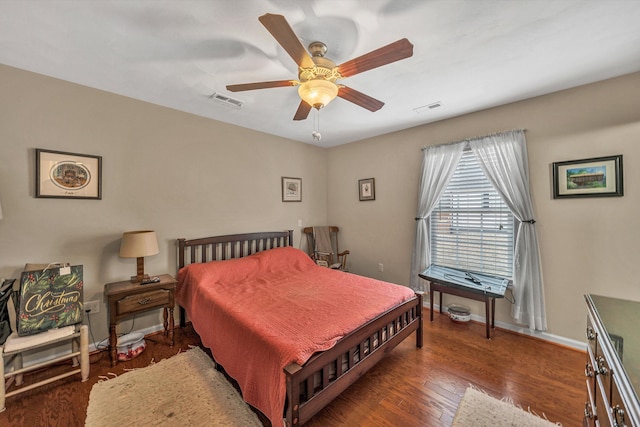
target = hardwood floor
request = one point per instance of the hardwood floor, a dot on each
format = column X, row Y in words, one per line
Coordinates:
column 410, row 387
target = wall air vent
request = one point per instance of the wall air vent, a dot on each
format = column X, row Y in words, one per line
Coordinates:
column 225, row 100
column 428, row 107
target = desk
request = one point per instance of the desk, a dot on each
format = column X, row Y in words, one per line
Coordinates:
column 454, row 282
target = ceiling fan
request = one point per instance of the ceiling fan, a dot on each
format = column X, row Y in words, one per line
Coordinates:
column 317, row 75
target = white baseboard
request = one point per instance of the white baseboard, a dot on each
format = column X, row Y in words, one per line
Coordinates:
column 144, row 331
column 61, row 350
column 556, row 339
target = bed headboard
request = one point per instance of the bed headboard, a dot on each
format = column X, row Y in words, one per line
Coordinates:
column 231, row 246
column 207, row 249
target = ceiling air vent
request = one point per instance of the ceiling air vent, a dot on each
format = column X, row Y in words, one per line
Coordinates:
column 225, row 100
column 427, row 107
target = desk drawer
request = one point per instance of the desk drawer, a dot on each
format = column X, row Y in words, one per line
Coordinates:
column 143, row 302
column 603, row 414
column 591, row 382
column 618, row 409
column 601, row 366
column 592, row 335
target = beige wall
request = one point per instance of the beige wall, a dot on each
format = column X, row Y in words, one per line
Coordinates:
column 186, row 176
column 588, row 245
column 179, row 174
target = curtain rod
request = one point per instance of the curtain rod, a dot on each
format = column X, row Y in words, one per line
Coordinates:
column 424, row 147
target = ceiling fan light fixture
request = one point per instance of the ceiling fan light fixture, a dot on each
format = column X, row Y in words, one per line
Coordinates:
column 317, row 75
column 318, row 93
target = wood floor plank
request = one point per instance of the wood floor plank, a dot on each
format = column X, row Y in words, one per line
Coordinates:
column 412, row 387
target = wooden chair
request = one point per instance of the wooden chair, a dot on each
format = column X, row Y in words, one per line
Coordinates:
column 12, row 351
column 333, row 258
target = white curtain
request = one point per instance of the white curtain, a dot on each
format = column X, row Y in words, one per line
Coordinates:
column 438, row 165
column 503, row 157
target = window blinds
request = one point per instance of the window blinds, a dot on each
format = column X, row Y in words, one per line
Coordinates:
column 471, row 227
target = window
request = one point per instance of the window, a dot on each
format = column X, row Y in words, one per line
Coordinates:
column 471, row 227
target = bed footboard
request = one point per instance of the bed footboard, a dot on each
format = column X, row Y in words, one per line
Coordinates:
column 312, row 386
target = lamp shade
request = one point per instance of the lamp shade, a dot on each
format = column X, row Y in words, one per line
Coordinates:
column 136, row 244
column 318, row 93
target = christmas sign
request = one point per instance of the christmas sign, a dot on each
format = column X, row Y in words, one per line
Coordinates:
column 50, row 298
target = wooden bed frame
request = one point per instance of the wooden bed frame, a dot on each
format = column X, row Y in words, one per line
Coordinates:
column 326, row 374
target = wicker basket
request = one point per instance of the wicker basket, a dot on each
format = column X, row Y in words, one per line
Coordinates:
column 459, row 313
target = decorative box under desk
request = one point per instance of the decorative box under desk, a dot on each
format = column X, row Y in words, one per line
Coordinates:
column 126, row 299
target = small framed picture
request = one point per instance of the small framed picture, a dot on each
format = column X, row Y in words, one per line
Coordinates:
column 596, row 177
column 367, row 189
column 291, row 189
column 68, row 175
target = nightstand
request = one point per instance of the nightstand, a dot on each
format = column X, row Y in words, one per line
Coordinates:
column 126, row 299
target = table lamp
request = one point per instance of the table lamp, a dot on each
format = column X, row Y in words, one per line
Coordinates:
column 139, row 244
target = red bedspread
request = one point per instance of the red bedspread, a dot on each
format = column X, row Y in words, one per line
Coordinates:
column 259, row 313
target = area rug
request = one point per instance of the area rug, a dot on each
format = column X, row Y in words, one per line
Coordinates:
column 478, row 409
column 184, row 390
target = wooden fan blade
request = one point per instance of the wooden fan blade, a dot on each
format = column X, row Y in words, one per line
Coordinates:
column 385, row 55
column 359, row 98
column 303, row 111
column 280, row 29
column 260, row 85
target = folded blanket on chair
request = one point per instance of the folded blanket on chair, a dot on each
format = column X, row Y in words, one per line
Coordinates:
column 322, row 238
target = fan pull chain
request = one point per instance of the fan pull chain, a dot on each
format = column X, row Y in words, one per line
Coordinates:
column 316, row 127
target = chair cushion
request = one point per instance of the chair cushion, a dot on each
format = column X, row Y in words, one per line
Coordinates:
column 16, row 343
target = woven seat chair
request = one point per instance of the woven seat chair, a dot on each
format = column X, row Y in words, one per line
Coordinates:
column 329, row 255
column 15, row 347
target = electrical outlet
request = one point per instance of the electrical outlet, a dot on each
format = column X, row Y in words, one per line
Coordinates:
column 380, row 267
column 92, row 306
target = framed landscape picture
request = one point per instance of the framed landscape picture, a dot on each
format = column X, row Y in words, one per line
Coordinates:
column 596, row 177
column 68, row 175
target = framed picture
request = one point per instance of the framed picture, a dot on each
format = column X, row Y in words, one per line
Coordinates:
column 596, row 177
column 291, row 189
column 367, row 189
column 68, row 175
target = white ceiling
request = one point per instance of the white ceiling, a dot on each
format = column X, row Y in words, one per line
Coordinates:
column 468, row 54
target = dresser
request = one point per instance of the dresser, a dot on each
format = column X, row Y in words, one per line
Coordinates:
column 612, row 368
